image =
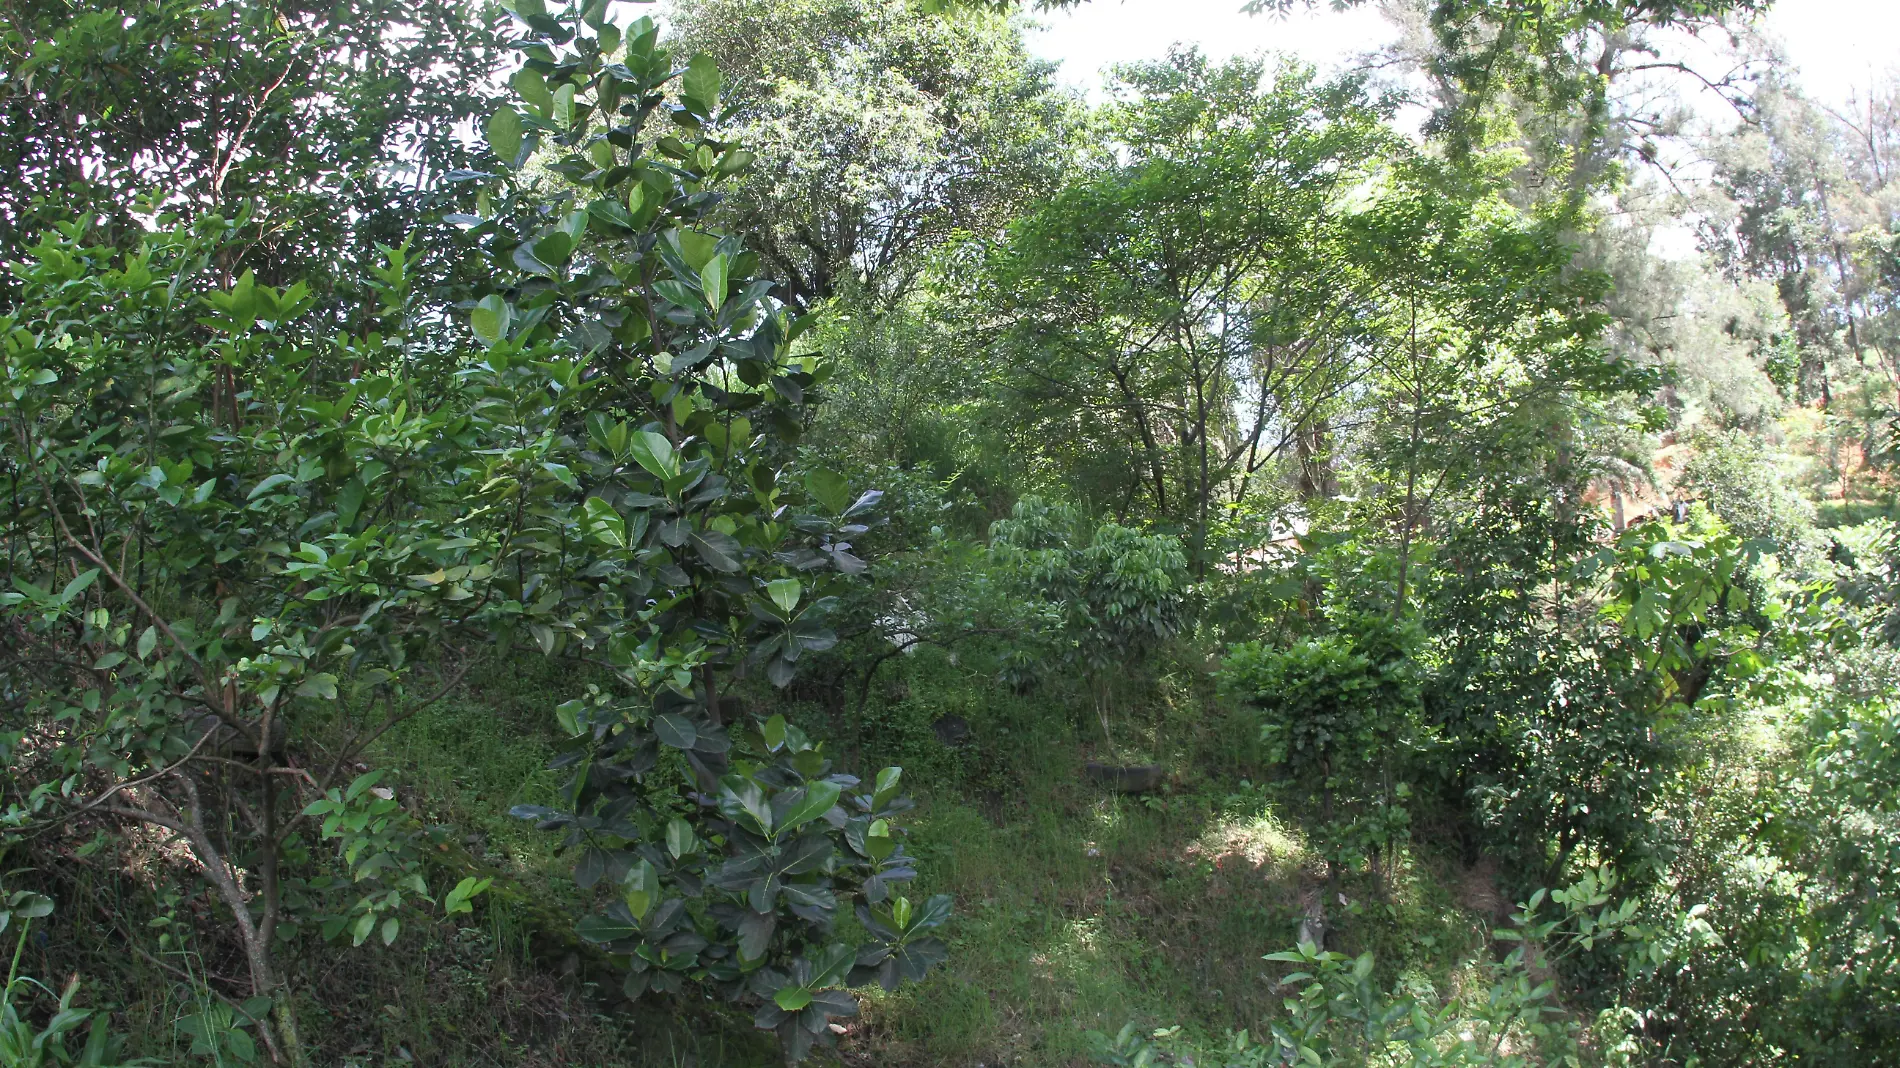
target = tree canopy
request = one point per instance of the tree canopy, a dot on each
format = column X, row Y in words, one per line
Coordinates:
column 544, row 534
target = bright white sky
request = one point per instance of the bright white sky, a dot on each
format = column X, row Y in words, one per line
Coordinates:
column 1838, row 45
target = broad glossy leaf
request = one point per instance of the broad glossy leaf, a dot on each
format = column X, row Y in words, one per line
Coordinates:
column 600, row 928
column 696, row 247
column 675, row 730
column 678, row 293
column 701, row 82
column 735, row 161
column 680, row 839
column 720, row 551
column 269, row 484
column 525, row 259
column 888, row 781
column 504, row 135
column 655, row 453
column 741, row 797
column 805, row 805
column 831, row 965
column 784, row 593
column 755, row 935
column 321, row 686
column 490, row 319
column 774, row 732
column 533, row 88
column 604, row 523
column 554, row 249
column 712, row 281
column 867, row 501
column 829, row 489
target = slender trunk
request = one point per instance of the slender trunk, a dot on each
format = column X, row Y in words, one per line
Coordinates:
column 711, row 684
column 1411, row 466
column 257, row 949
column 1332, row 853
column 705, row 776
column 1406, row 520
column 1200, row 417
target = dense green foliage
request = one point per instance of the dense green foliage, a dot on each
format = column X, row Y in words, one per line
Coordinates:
column 533, row 537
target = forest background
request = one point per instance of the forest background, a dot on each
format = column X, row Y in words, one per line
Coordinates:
column 544, row 535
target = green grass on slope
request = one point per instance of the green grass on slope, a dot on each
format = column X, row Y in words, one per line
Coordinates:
column 1076, row 910
column 1083, row 912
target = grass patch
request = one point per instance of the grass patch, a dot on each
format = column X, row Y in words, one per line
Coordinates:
column 1081, row 911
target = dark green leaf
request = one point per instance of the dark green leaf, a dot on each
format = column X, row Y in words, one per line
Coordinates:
column 675, row 730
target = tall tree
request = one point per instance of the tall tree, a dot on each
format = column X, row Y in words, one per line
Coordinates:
column 1805, row 200
column 329, row 127
column 1184, row 312
column 880, row 133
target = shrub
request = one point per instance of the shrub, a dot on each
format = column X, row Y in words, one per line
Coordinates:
column 1342, row 713
column 1112, row 594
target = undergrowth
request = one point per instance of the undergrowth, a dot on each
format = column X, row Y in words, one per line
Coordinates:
column 1077, row 909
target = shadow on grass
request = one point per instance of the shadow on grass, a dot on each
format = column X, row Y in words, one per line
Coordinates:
column 1082, row 912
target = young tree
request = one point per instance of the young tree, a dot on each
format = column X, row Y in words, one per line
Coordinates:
column 215, row 610
column 656, row 399
column 221, row 598
column 1187, row 309
column 1340, row 712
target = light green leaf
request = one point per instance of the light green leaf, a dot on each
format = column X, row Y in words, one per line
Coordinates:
column 147, row 642
column 702, row 82
column 887, row 783
column 491, row 318
column 829, row 489
column 322, row 685
column 78, row 585
column 655, row 453
column 712, row 281
column 574, row 224
column 458, row 899
column 504, row 135
column 568, row 715
column 696, row 247
column 878, row 842
column 735, row 161
column 605, row 524
column 679, row 838
column 554, row 249
column 269, row 484
column 561, row 474
column 534, row 89
column 774, row 732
